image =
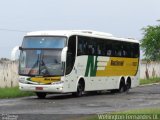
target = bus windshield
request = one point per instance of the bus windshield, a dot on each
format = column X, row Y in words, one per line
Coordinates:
column 43, row 42
column 42, row 57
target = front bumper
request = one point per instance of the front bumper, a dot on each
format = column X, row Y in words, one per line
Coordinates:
column 56, row 88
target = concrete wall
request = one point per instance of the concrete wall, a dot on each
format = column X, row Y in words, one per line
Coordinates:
column 150, row 69
column 9, row 72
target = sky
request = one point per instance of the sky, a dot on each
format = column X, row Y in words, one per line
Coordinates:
column 122, row 18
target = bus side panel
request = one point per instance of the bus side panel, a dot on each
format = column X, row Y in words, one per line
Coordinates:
column 97, row 79
column 86, row 67
column 135, row 79
column 101, row 83
column 78, row 71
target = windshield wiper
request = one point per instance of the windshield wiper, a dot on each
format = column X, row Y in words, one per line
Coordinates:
column 44, row 69
column 36, row 64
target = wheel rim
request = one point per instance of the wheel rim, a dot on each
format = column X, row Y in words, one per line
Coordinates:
column 122, row 88
column 80, row 90
column 128, row 86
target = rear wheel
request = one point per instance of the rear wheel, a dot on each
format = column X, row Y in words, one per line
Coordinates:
column 41, row 95
column 128, row 85
column 122, row 86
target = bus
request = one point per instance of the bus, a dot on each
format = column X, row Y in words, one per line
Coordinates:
column 77, row 61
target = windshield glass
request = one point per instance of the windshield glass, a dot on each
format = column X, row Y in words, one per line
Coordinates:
column 41, row 56
column 41, row 62
column 43, row 42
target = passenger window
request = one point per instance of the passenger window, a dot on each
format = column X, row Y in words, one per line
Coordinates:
column 135, row 50
column 84, row 46
column 106, row 47
column 117, row 48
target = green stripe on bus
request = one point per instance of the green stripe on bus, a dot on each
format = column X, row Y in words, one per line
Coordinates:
column 91, row 67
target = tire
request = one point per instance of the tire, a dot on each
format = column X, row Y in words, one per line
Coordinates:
column 41, row 95
column 122, row 87
column 114, row 91
column 80, row 90
column 127, row 86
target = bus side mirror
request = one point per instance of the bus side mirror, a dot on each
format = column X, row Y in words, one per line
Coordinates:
column 64, row 54
column 15, row 53
column 20, row 48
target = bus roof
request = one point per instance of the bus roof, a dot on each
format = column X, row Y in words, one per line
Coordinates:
column 89, row 33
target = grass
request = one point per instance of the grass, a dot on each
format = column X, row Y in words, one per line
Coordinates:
column 147, row 111
column 13, row 92
column 149, row 81
column 142, row 111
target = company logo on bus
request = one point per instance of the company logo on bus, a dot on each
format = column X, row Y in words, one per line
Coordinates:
column 117, row 63
column 110, row 66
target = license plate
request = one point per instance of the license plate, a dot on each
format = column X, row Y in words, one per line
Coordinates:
column 39, row 88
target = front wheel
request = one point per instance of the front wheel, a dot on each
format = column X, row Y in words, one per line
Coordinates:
column 80, row 90
column 41, row 95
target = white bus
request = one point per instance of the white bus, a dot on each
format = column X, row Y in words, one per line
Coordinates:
column 76, row 61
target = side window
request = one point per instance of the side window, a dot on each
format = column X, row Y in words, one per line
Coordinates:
column 100, row 47
column 108, row 48
column 84, row 46
column 135, row 50
column 90, row 46
column 130, row 50
column 125, row 49
column 117, row 49
column 81, row 46
column 71, row 53
column 94, row 46
column 97, row 47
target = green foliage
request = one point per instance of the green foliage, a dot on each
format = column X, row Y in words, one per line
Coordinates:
column 142, row 111
column 13, row 92
column 151, row 42
column 149, row 81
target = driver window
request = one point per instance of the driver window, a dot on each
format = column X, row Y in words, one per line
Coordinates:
column 71, row 54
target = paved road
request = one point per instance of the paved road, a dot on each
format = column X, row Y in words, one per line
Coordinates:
column 66, row 106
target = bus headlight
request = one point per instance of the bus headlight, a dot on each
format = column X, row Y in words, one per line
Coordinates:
column 22, row 80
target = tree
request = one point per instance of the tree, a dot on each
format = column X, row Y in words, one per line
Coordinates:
column 151, row 42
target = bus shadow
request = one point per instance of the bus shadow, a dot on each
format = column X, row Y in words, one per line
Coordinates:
column 88, row 94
